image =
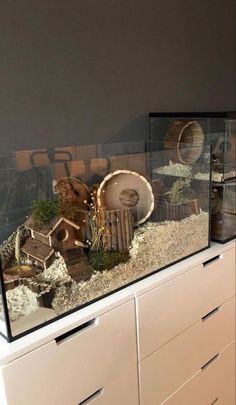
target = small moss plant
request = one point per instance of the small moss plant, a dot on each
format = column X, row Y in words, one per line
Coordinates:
column 106, row 260
column 176, row 193
column 43, row 212
column 67, row 210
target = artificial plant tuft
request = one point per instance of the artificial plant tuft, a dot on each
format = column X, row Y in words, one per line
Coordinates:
column 176, row 193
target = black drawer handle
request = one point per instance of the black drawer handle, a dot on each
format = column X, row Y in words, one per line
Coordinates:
column 214, row 402
column 88, row 400
column 213, row 259
column 84, row 326
column 214, row 358
column 205, row 317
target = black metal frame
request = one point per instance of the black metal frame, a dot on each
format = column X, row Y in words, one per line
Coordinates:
column 4, row 302
column 189, row 114
column 223, row 241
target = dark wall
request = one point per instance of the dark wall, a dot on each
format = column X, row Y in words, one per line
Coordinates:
column 89, row 71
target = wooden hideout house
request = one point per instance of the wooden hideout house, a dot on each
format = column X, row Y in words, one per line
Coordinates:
column 57, row 236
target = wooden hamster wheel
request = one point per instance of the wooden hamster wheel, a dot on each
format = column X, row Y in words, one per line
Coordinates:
column 126, row 189
column 184, row 141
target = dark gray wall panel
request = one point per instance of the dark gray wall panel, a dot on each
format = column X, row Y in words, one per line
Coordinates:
column 89, row 71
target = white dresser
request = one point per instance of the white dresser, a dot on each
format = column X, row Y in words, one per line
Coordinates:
column 186, row 332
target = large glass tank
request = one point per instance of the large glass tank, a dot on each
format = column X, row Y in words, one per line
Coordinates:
column 180, row 130
column 79, row 223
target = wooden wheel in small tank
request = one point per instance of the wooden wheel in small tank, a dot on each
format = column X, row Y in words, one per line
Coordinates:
column 184, row 141
column 125, row 189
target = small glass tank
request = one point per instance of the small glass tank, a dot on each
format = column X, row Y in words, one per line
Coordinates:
column 195, row 130
column 81, row 222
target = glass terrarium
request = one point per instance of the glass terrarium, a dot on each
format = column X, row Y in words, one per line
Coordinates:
column 81, row 222
column 194, row 130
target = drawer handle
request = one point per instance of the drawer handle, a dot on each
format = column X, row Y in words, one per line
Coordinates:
column 96, row 394
column 84, row 326
column 213, row 259
column 214, row 358
column 214, row 402
column 211, row 313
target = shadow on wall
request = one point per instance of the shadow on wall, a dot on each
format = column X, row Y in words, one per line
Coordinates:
column 136, row 130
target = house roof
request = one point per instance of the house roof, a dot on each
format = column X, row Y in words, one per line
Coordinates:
column 37, row 249
column 49, row 228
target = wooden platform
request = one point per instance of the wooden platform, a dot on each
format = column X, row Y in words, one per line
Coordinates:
column 37, row 249
column 77, row 265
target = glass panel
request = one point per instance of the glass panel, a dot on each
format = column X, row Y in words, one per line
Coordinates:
column 230, row 150
column 83, row 221
column 222, row 137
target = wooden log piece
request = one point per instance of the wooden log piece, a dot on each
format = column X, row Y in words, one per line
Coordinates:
column 118, row 230
column 114, row 235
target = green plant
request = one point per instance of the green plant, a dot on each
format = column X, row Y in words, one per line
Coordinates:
column 43, row 212
column 176, row 193
column 106, row 260
column 67, row 210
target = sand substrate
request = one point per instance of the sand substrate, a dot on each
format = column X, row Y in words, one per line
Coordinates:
column 21, row 302
column 155, row 245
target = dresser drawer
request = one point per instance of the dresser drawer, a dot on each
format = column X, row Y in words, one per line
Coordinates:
column 206, row 387
column 167, row 310
column 97, row 363
column 173, row 364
